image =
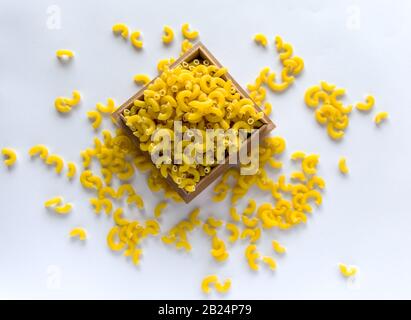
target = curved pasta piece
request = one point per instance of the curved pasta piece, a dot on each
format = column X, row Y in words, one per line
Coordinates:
column 118, row 219
column 278, row 247
column 278, row 41
column 57, row 161
column 190, row 35
column 207, row 282
column 286, row 52
column 125, row 188
column 96, row 117
column 99, row 204
column 328, row 87
column 72, row 169
column 380, row 117
column 250, row 223
column 310, row 98
column 298, row 176
column 347, row 271
column 309, row 164
column 137, row 200
column 276, row 87
column 235, row 232
column 61, row 105
column 53, row 202
column 81, row 233
column 159, row 208
column 250, row 207
column 261, row 39
column 270, row 262
column 334, row 133
column 193, row 217
column 223, row 288
column 111, row 242
column 121, row 28
column 64, row 54
column 109, row 108
column 64, row 209
column 368, row 105
column 298, row 155
column 342, row 165
column 168, row 35
column 39, row 149
column 142, row 79
column 214, row 222
column 267, row 108
column 316, row 181
column 134, row 37
column 107, row 191
column 75, row 100
column 11, row 156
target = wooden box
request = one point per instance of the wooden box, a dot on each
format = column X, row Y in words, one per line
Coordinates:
column 197, row 51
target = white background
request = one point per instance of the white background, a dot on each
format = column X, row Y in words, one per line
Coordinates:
column 366, row 216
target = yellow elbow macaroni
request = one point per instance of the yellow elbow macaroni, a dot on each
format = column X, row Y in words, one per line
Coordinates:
column 142, row 79
column 134, row 37
column 81, row 233
column 380, row 117
column 39, row 150
column 368, row 105
column 109, row 108
column 96, row 117
column 11, row 156
column 190, row 35
column 159, row 209
column 278, row 247
column 168, row 35
column 342, row 165
column 261, row 39
column 64, row 53
column 56, row 161
column 347, row 271
column 121, row 28
column 72, row 169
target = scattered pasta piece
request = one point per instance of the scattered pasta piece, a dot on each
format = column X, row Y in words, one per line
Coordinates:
column 235, row 232
column 190, row 35
column 142, row 79
column 297, row 155
column 56, row 161
column 109, row 108
column 261, row 39
column 64, row 54
column 207, row 281
column 39, row 149
column 72, row 169
column 64, row 105
column 278, row 247
column 223, row 288
column 270, row 262
column 134, row 37
column 347, row 271
column 342, row 165
column 380, row 117
column 368, row 105
column 53, row 202
column 11, row 156
column 121, row 28
column 168, row 35
column 64, row 209
column 81, row 233
column 96, row 117
column 159, row 208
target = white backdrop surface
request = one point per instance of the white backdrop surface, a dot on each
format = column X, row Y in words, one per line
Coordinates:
column 362, row 46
